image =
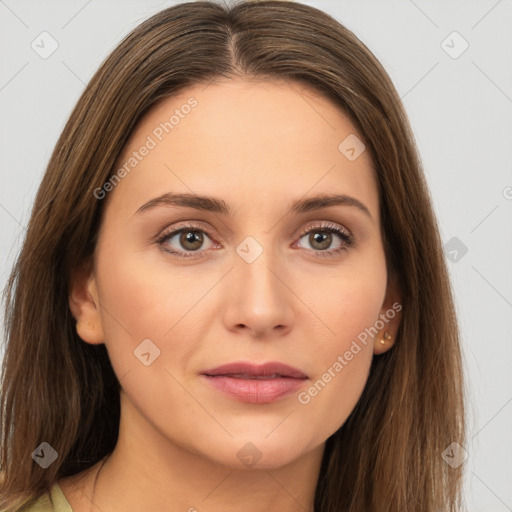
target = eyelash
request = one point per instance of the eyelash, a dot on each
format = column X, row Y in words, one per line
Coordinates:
column 346, row 239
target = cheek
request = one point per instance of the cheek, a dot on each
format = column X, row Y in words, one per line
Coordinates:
column 143, row 299
column 349, row 307
column 345, row 303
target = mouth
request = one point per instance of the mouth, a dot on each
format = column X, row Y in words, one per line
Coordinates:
column 257, row 384
column 243, row 370
column 246, row 376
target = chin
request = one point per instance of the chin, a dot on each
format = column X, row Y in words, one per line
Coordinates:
column 259, row 453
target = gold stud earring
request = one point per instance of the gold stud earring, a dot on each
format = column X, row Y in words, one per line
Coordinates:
column 386, row 337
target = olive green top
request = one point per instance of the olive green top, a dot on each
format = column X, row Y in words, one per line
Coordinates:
column 54, row 501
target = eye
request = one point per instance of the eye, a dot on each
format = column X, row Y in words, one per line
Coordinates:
column 185, row 241
column 192, row 240
column 321, row 238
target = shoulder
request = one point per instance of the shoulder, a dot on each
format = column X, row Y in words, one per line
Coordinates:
column 53, row 501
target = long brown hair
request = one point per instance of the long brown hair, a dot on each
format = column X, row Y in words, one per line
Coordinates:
column 60, row 390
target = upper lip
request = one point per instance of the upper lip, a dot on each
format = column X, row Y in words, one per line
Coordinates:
column 257, row 370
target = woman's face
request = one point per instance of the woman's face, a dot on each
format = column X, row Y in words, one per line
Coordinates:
column 256, row 273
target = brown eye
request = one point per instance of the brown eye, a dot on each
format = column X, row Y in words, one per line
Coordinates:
column 326, row 240
column 320, row 240
column 186, row 241
column 191, row 240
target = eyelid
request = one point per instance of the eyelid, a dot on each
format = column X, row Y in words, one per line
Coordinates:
column 325, row 224
column 170, row 232
column 186, row 224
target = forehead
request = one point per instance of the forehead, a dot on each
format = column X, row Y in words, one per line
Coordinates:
column 245, row 137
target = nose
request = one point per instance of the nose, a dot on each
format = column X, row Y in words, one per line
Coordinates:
column 259, row 299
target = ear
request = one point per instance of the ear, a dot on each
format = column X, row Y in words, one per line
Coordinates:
column 85, row 306
column 390, row 316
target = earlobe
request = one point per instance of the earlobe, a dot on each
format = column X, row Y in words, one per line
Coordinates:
column 383, row 342
column 90, row 332
column 85, row 307
column 391, row 315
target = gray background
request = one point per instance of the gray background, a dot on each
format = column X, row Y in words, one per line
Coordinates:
column 460, row 110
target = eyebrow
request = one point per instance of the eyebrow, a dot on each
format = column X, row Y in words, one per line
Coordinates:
column 212, row 204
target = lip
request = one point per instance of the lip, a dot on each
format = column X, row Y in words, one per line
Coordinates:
column 252, row 383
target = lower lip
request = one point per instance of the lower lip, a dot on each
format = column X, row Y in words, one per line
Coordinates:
column 256, row 391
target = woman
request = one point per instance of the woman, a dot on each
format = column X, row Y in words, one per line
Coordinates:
column 232, row 292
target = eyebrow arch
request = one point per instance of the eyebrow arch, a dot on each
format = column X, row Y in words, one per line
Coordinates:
column 211, row 204
column 324, row 201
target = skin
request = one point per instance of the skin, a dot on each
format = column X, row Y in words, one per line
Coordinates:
column 258, row 146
